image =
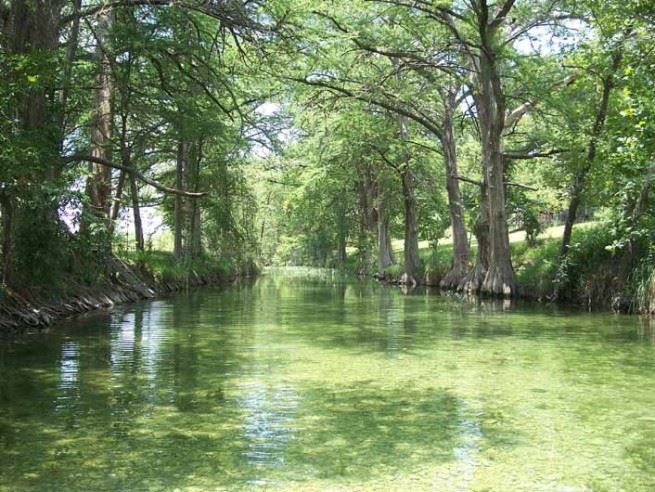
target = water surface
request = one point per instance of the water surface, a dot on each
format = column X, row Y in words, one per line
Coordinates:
column 305, row 380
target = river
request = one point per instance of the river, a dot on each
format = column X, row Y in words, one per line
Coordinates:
column 307, row 380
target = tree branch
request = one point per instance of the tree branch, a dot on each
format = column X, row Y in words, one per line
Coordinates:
column 467, row 180
column 480, row 184
column 420, row 119
column 533, row 155
column 500, row 17
column 515, row 115
column 521, row 185
column 137, row 174
column 230, row 16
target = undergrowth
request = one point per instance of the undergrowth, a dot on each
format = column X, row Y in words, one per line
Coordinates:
column 162, row 266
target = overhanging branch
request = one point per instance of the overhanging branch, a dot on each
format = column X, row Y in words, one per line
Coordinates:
column 533, row 155
column 367, row 98
column 128, row 169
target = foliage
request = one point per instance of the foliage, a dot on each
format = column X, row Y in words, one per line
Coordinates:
column 316, row 134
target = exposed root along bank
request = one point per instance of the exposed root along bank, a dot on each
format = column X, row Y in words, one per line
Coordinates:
column 124, row 284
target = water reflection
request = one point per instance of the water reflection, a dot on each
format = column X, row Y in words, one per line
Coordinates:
column 122, row 343
column 69, row 372
column 268, row 416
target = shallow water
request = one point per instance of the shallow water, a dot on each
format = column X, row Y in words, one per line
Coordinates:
column 304, row 380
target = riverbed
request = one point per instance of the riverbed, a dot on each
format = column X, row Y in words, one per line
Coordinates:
column 310, row 380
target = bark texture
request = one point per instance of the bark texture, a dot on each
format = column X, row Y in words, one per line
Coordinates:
column 385, row 252
column 461, row 251
column 99, row 181
column 499, row 280
column 181, row 163
column 411, row 251
column 472, row 281
column 31, row 27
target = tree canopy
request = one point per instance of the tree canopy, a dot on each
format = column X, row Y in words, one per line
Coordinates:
column 352, row 134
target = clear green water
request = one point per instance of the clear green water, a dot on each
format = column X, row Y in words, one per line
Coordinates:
column 305, row 381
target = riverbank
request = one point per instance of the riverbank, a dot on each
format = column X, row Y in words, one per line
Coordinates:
column 592, row 276
column 126, row 279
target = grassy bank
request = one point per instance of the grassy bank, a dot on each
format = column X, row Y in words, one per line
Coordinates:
column 161, row 267
column 589, row 277
column 127, row 277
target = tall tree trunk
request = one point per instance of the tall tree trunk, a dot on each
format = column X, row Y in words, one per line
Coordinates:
column 181, row 163
column 363, row 246
column 342, row 255
column 189, row 206
column 499, row 280
column 472, row 282
column 32, row 27
column 342, row 234
column 366, row 192
column 99, row 180
column 385, row 251
column 126, row 161
column 196, row 231
column 71, row 53
column 411, row 251
column 461, row 252
column 193, row 182
column 136, row 210
column 118, row 198
column 580, row 179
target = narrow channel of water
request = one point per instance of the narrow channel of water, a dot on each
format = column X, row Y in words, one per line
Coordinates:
column 306, row 380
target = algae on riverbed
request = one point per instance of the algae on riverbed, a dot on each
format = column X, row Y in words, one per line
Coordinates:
column 318, row 383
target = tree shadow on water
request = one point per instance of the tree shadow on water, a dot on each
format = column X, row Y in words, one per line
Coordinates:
column 365, row 431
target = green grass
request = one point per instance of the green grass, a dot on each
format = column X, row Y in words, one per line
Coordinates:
column 164, row 267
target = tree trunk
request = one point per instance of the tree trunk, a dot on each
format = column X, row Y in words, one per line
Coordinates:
column 363, row 249
column 99, row 180
column 572, row 213
column 136, row 210
column 182, row 156
column 367, row 220
column 472, row 282
column 31, row 27
column 196, row 230
column 193, row 181
column 499, row 280
column 191, row 211
column 118, row 196
column 581, row 176
column 71, row 53
column 461, row 252
column 411, row 251
column 7, row 211
column 342, row 235
column 385, row 251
